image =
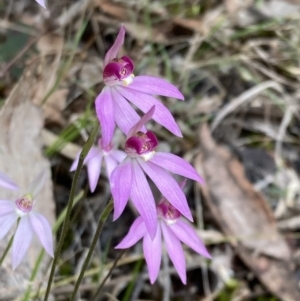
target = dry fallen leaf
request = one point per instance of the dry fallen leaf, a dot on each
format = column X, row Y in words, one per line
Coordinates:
column 244, row 215
column 202, row 25
column 144, row 33
column 50, row 47
column 21, row 158
column 116, row 10
column 55, row 105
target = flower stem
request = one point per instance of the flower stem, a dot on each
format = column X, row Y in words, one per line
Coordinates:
column 101, row 222
column 86, row 147
column 107, row 276
column 8, row 246
column 7, row 249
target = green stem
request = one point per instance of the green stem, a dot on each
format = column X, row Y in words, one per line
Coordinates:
column 6, row 250
column 107, row 276
column 101, row 222
column 86, row 147
column 130, row 287
column 8, row 246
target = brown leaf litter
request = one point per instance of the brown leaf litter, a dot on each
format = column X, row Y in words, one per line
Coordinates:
column 50, row 47
column 244, row 215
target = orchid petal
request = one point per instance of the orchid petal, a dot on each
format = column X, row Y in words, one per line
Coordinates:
column 110, row 164
column 125, row 116
column 167, row 186
column 155, row 86
column 176, row 165
column 42, row 229
column 118, row 155
column 175, row 251
column 94, row 170
column 38, row 183
column 142, row 198
column 145, row 101
column 6, row 207
column 7, row 182
column 6, row 222
column 41, row 3
column 135, row 233
column 121, row 182
column 114, row 49
column 105, row 113
column 94, row 151
column 22, row 241
column 188, row 235
column 152, row 251
column 139, row 125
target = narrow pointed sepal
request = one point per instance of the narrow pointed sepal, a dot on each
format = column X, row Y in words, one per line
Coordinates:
column 7, row 182
column 22, row 241
column 155, row 86
column 94, row 171
column 143, row 199
column 138, row 126
column 42, row 229
column 38, row 184
column 114, row 49
column 6, row 207
column 135, row 233
column 121, row 182
column 152, row 251
column 6, row 222
column 185, row 233
column 105, row 113
column 176, row 165
column 41, row 3
column 175, row 251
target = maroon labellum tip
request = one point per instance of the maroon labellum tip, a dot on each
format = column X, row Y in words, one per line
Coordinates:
column 118, row 69
column 141, row 143
column 168, row 211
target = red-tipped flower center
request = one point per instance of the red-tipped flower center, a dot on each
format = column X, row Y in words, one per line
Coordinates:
column 141, row 143
column 169, row 213
column 118, row 69
column 25, row 203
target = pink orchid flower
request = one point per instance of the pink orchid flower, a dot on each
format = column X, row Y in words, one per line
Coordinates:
column 93, row 161
column 30, row 222
column 128, row 180
column 174, row 230
column 41, row 3
column 121, row 86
